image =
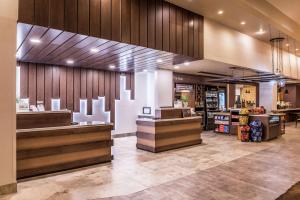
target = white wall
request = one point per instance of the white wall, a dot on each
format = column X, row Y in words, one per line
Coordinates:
column 163, row 88
column 8, row 18
column 268, row 95
column 226, row 45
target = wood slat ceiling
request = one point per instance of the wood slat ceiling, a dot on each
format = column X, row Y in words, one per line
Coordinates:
column 56, row 47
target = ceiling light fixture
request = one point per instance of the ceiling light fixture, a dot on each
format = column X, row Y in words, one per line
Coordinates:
column 287, row 44
column 159, row 60
column 112, row 66
column 260, row 32
column 70, row 62
column 297, row 49
column 220, row 12
column 35, row 40
column 243, row 22
column 94, row 50
column 186, row 63
column 176, row 67
column 145, row 70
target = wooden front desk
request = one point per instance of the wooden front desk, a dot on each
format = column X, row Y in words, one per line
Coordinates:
column 156, row 135
column 52, row 149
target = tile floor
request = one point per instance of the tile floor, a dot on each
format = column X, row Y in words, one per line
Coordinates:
column 221, row 168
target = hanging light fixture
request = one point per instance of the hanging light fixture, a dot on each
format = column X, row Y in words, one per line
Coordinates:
column 277, row 55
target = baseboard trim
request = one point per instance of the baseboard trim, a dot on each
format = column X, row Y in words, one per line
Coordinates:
column 8, row 189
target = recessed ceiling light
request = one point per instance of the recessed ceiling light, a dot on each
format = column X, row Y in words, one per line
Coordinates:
column 94, row 50
column 112, row 66
column 220, row 12
column 159, row 60
column 243, row 22
column 260, row 32
column 70, row 62
column 186, row 63
column 176, row 67
column 35, row 40
column 145, row 70
column 297, row 49
column 287, row 44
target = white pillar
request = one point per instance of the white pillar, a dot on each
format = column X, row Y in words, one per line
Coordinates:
column 8, row 23
column 268, row 95
column 153, row 89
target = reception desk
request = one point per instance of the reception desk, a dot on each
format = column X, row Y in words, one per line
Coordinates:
column 157, row 135
column 46, row 150
column 42, row 150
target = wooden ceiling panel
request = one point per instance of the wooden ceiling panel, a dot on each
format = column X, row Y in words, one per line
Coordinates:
column 57, row 46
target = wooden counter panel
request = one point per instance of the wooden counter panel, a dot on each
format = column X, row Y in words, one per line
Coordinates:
column 41, row 151
column 43, row 119
column 173, row 134
column 53, row 141
column 63, row 166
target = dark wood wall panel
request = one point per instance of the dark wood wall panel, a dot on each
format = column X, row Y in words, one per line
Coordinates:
column 26, row 11
column 106, row 19
column 63, row 87
column 23, row 80
column 125, row 15
column 179, row 31
column 41, row 12
column 70, row 88
column 48, row 87
column 159, row 25
column 166, row 26
column 83, row 17
column 41, row 82
column 71, row 16
column 151, row 24
column 116, row 20
column 143, row 23
column 32, row 84
column 95, row 6
column 135, row 22
column 172, row 29
column 77, row 87
column 56, row 14
column 155, row 24
column 55, row 81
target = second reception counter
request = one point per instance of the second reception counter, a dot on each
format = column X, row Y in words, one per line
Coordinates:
column 157, row 135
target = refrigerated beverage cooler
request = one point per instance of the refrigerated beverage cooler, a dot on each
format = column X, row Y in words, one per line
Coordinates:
column 215, row 102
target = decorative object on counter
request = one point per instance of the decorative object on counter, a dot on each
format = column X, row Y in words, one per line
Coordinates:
column 23, row 105
column 256, row 131
column 258, row 110
column 243, row 122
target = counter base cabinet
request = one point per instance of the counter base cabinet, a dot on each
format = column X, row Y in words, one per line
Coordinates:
column 47, row 150
column 162, row 135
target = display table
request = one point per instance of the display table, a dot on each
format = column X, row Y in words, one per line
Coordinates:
column 46, row 150
column 290, row 113
column 156, row 135
column 271, row 125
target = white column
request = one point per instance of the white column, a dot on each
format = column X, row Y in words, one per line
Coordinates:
column 268, row 95
column 153, row 89
column 8, row 19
